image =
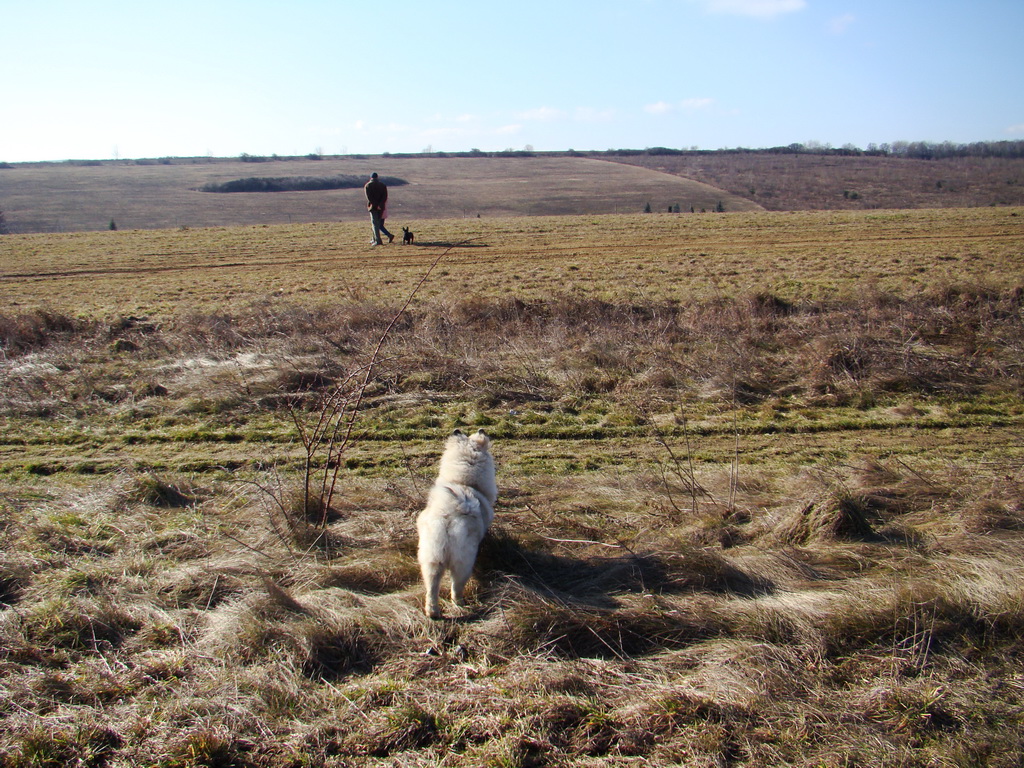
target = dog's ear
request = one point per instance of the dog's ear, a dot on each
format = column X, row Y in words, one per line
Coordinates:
column 457, row 432
column 481, row 432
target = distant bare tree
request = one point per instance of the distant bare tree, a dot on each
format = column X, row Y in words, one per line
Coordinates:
column 4, row 229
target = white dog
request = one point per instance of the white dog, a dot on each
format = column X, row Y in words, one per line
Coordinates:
column 459, row 511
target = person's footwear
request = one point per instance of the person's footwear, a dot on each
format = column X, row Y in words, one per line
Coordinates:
column 391, row 239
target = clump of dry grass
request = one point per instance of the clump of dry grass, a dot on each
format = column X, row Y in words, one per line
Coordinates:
column 871, row 503
column 152, row 490
column 831, row 517
column 30, row 331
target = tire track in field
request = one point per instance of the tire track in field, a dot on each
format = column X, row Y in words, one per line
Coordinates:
column 192, row 267
column 381, row 454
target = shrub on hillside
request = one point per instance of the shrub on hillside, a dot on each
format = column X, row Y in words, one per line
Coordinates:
column 294, row 184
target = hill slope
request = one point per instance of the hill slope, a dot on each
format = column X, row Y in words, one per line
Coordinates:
column 800, row 182
column 68, row 197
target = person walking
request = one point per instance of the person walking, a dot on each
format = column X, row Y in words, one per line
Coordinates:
column 377, row 203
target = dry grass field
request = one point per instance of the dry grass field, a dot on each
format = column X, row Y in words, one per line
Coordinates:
column 761, row 492
column 153, row 194
column 69, row 198
column 822, row 182
column 664, row 258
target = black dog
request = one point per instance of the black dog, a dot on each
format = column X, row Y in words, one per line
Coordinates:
column 407, row 236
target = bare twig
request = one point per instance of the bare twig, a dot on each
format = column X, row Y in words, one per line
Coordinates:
column 583, row 541
column 687, row 477
column 327, row 436
column 361, row 392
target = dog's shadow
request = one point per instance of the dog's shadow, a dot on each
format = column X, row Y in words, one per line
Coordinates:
column 596, row 581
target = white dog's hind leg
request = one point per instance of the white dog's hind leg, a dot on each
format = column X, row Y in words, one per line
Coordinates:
column 461, row 571
column 432, row 573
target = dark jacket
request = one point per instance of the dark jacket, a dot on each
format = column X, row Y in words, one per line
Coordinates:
column 376, row 194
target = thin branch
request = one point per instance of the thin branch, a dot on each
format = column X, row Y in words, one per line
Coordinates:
column 584, row 541
column 361, row 392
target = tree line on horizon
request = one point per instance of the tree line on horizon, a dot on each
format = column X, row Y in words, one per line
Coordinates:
column 916, row 150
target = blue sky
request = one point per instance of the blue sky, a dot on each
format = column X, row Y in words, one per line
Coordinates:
column 150, row 78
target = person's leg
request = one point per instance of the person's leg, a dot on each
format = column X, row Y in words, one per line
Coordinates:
column 378, row 225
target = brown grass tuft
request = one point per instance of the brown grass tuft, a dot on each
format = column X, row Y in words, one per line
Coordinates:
column 35, row 330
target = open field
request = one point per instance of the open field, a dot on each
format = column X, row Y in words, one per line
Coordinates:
column 87, row 196
column 619, row 258
column 761, row 492
column 69, row 198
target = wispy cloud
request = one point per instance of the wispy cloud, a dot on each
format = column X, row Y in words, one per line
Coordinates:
column 1016, row 130
column 762, row 9
column 686, row 105
column 840, row 24
column 658, row 108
